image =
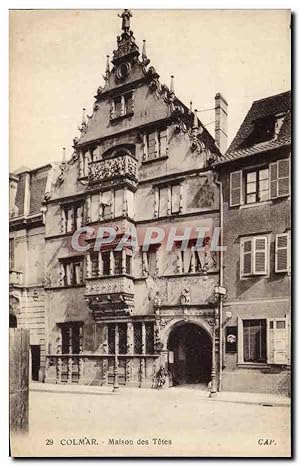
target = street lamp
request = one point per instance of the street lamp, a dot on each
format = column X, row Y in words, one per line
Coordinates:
column 220, row 293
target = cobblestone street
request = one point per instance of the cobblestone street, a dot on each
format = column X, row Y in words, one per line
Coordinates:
column 183, row 421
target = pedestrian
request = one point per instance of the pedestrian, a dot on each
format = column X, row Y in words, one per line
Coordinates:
column 161, row 377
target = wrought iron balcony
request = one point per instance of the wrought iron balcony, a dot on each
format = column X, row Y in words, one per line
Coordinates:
column 122, row 166
column 15, row 278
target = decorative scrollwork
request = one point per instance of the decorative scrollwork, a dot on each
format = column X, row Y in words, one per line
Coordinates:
column 111, row 168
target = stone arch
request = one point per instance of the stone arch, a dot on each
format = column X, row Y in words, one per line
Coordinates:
column 174, row 323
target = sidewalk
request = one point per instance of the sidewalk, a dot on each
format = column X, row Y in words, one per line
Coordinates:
column 264, row 399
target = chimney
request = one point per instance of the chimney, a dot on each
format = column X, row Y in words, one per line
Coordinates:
column 221, row 114
column 13, row 186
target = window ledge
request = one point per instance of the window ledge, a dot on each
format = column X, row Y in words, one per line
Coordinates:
column 255, row 204
column 246, row 277
column 117, row 275
column 156, row 159
column 121, row 117
column 253, row 365
column 63, row 287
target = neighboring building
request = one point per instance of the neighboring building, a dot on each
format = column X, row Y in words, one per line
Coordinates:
column 255, row 173
column 26, row 259
column 143, row 159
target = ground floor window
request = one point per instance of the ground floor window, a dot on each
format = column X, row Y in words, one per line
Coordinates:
column 255, row 340
column 71, row 334
column 143, row 338
column 264, row 341
column 121, row 330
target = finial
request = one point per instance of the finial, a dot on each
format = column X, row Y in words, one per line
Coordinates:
column 64, row 160
column 191, row 107
column 83, row 127
column 172, row 85
column 107, row 70
column 83, row 122
column 144, row 54
column 126, row 15
column 195, row 120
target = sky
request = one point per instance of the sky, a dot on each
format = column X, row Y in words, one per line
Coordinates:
column 57, row 61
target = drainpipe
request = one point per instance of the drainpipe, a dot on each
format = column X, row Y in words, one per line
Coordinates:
column 221, row 283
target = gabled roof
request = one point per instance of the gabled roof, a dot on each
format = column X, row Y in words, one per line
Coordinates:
column 37, row 187
column 256, row 134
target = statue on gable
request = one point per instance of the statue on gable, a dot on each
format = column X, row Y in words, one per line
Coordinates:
column 126, row 15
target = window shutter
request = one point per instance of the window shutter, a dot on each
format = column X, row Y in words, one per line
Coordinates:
column 187, row 257
column 163, row 202
column 79, row 219
column 164, row 143
column 273, row 180
column 282, row 253
column 77, row 273
column 128, row 104
column 69, row 274
column 278, row 341
column 152, row 145
column 62, row 275
column 246, row 257
column 63, row 221
column 175, row 207
column 106, row 201
column 235, row 188
column 260, row 255
column 283, row 177
column 11, row 253
column 94, row 208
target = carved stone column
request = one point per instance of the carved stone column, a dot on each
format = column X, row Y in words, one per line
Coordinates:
column 80, row 359
column 88, row 209
column 111, row 262
column 100, row 263
column 193, row 259
column 112, row 209
column 156, row 202
column 88, row 266
column 180, row 198
column 179, row 261
column 59, row 361
column 116, row 366
column 125, row 204
column 143, row 375
column 105, row 351
column 123, row 265
column 169, row 200
column 145, row 147
column 130, row 350
column 70, row 357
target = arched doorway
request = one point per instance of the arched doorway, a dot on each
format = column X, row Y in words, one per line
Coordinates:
column 191, row 347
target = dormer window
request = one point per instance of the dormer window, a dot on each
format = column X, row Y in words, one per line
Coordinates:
column 279, row 119
column 122, row 106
